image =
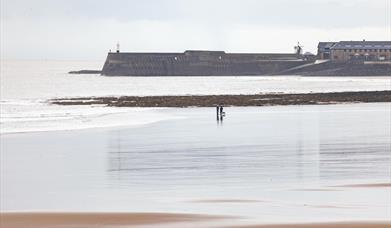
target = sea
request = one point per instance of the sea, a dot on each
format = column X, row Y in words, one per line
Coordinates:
column 289, row 164
column 26, row 87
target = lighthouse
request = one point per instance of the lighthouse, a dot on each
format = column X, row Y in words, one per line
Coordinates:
column 117, row 47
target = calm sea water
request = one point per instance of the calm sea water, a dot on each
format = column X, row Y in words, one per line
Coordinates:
column 27, row 85
column 36, row 80
column 275, row 156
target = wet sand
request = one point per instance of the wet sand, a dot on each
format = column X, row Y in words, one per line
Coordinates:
column 377, row 185
column 227, row 201
column 38, row 220
column 166, row 165
column 374, row 185
column 316, row 190
column 231, row 100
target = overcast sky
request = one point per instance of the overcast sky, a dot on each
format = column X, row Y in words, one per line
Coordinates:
column 86, row 30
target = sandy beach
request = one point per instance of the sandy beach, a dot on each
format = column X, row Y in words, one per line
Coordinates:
column 103, row 220
column 35, row 220
column 195, row 171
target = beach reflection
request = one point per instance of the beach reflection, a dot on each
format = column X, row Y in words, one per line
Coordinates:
column 254, row 147
column 265, row 163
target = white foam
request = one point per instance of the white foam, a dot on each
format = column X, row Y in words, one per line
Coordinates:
column 18, row 117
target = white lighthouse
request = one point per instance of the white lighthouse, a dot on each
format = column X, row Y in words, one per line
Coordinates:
column 117, row 47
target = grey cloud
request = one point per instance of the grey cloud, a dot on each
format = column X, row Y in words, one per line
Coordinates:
column 304, row 13
column 69, row 29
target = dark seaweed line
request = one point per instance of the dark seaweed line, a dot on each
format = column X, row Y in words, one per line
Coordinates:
column 231, row 100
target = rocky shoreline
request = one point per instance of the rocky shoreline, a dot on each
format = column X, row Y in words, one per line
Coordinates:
column 231, row 100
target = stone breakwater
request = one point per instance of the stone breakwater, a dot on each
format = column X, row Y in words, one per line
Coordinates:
column 230, row 100
column 219, row 63
column 199, row 63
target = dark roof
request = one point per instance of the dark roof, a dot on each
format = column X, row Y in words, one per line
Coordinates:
column 326, row 44
column 363, row 45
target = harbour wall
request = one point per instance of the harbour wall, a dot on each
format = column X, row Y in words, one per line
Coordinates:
column 198, row 63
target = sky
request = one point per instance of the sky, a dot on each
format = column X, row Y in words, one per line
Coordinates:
column 88, row 29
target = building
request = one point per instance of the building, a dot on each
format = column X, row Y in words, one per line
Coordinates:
column 348, row 51
column 324, row 50
column 355, row 51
